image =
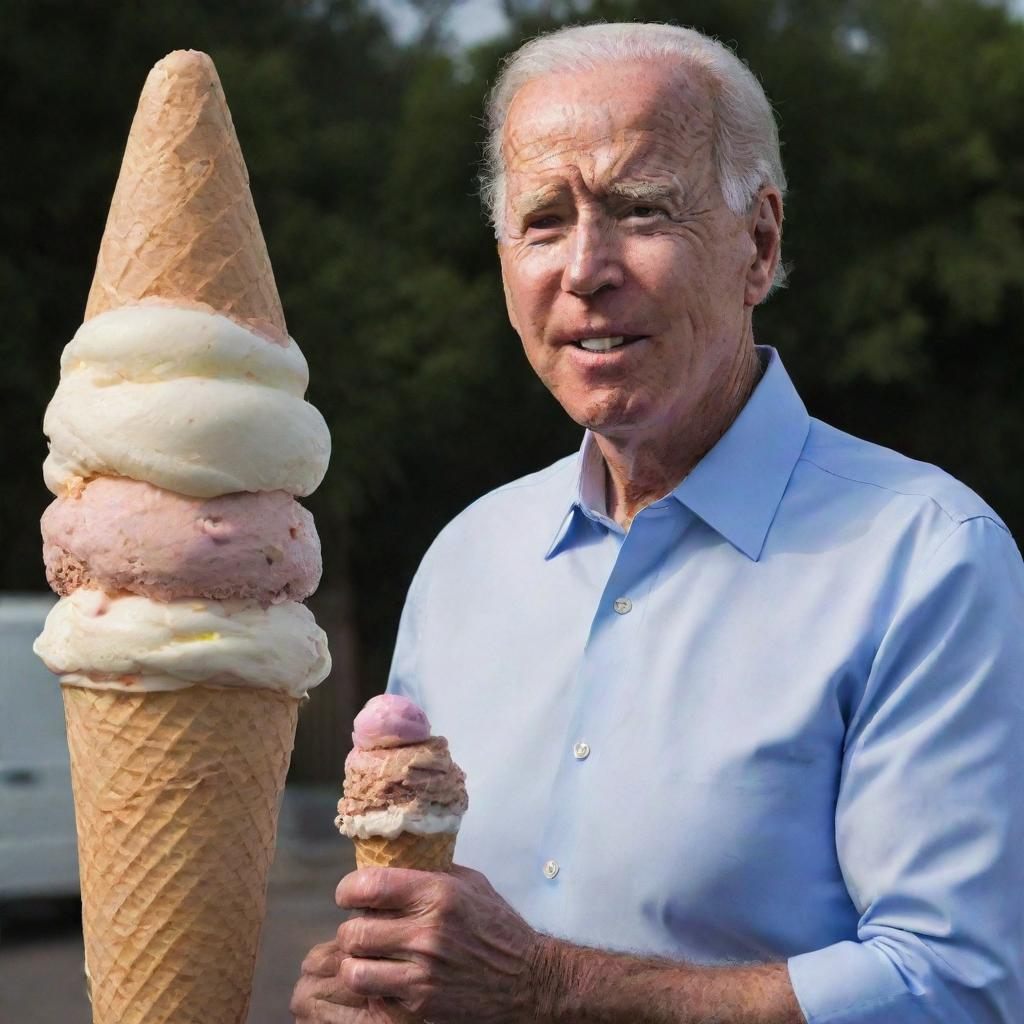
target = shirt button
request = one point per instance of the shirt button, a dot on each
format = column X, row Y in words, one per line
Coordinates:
column 551, row 869
column 581, row 751
column 622, row 605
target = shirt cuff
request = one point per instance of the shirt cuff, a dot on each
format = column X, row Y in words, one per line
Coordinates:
column 851, row 983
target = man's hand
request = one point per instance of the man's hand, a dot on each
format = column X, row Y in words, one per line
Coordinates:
column 448, row 948
column 320, row 996
column 432, row 945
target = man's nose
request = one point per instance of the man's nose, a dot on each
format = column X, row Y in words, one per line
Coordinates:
column 594, row 260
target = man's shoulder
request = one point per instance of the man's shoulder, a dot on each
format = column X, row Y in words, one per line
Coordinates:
column 858, row 463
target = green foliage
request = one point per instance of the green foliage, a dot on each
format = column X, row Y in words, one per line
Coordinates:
column 904, row 219
column 904, row 222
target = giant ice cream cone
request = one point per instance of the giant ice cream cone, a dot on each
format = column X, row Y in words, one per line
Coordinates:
column 404, row 795
column 179, row 437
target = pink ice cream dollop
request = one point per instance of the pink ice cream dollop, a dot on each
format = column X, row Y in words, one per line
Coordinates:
column 397, row 765
column 389, row 720
column 118, row 534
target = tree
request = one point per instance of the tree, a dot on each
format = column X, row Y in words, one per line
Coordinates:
column 904, row 227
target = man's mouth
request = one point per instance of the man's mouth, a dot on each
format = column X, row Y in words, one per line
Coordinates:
column 607, row 344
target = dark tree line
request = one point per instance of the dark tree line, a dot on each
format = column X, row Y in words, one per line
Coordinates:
column 904, row 228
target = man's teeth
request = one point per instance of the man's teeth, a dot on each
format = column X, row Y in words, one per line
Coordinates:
column 601, row 344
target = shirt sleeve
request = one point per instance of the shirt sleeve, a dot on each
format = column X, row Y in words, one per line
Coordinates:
column 930, row 814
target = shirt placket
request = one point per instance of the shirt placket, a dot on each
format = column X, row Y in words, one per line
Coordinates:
column 609, row 658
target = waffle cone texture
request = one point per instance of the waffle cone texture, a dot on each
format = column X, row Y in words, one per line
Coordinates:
column 176, row 800
column 182, row 227
column 433, row 852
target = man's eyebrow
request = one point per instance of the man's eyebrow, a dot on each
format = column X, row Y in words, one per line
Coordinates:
column 644, row 190
column 530, row 202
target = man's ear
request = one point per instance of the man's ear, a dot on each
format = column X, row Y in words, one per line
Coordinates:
column 765, row 227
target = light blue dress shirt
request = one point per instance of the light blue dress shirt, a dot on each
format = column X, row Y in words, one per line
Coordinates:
column 782, row 718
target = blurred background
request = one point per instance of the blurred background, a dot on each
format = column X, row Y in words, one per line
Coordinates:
column 360, row 121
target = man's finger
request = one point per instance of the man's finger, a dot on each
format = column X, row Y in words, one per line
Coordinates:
column 312, row 994
column 323, row 960
column 384, row 888
column 378, row 937
column 395, row 979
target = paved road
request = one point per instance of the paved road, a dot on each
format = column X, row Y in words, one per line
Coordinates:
column 41, row 947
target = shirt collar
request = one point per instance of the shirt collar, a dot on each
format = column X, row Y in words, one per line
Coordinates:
column 738, row 485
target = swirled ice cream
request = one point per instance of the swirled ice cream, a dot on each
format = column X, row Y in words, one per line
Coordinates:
column 134, row 644
column 189, row 401
column 399, row 778
column 178, row 441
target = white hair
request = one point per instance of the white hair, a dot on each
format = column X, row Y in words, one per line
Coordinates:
column 745, row 139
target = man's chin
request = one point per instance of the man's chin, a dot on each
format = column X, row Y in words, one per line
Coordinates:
column 610, row 412
column 613, row 427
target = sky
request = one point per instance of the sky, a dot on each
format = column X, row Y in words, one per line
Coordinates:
column 472, row 21
column 475, row 20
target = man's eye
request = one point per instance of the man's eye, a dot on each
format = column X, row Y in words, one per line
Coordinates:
column 644, row 212
column 549, row 221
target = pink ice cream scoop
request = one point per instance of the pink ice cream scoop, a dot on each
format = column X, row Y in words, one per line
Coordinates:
column 390, row 721
column 120, row 534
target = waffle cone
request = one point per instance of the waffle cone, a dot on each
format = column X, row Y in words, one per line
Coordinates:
column 176, row 802
column 182, row 228
column 432, row 852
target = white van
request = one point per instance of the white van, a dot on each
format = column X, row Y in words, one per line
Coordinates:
column 38, row 847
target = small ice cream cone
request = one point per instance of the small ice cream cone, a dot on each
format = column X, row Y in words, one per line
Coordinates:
column 404, row 796
column 432, row 852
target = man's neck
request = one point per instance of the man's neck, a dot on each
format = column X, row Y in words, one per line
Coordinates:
column 639, row 471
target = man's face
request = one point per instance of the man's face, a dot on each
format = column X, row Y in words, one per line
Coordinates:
column 615, row 227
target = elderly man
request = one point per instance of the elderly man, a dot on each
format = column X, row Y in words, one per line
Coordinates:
column 739, row 696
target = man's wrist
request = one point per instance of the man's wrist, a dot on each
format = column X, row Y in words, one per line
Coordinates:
column 546, row 980
column 570, row 984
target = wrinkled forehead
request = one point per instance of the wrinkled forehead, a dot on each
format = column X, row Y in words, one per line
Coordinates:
column 617, row 114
